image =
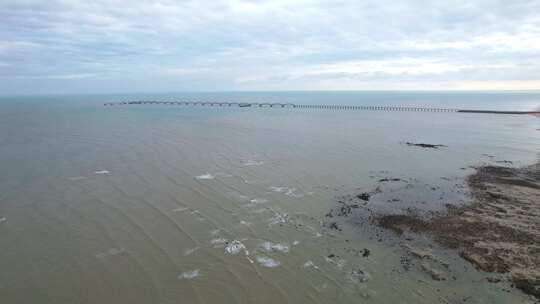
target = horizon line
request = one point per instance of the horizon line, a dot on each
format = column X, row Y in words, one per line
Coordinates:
column 279, row 91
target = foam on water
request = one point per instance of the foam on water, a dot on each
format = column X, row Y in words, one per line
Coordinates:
column 267, row 262
column 279, row 218
column 3, row 219
column 253, row 163
column 274, row 247
column 235, row 247
column 189, row 275
column 205, row 176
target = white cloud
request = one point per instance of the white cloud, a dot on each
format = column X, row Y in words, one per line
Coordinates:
column 504, row 42
column 58, row 76
column 16, row 46
column 269, row 44
column 181, row 71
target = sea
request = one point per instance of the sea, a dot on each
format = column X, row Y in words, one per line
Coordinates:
column 199, row 204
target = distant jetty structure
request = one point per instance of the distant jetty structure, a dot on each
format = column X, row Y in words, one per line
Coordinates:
column 313, row 106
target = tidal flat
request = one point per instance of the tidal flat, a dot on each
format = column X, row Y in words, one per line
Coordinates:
column 497, row 230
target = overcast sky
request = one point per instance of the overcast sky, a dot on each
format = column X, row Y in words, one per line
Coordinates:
column 74, row 46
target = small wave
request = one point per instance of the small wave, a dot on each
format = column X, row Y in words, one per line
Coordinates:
column 205, row 176
column 237, row 197
column 197, row 214
column 267, row 262
column 102, row 172
column 286, row 190
column 321, row 287
column 219, row 242
column 253, row 163
column 245, row 223
column 357, row 276
column 257, row 201
column 190, row 251
column 310, row 264
column 3, row 219
column 214, row 232
column 339, row 263
column 77, row 178
column 261, row 210
column 188, row 275
column 292, row 193
column 220, row 174
column 110, row 252
column 277, row 189
column 295, row 243
column 274, row 247
column 181, row 209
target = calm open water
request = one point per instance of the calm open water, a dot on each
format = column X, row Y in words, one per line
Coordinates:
column 175, row 204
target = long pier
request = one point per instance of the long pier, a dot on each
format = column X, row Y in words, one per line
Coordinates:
column 316, row 106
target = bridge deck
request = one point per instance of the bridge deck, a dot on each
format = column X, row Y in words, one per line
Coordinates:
column 324, row 107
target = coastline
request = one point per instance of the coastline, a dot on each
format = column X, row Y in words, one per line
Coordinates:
column 498, row 231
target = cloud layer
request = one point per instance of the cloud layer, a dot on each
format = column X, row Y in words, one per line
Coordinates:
column 73, row 46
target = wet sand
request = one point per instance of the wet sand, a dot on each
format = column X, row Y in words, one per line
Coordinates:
column 498, row 232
